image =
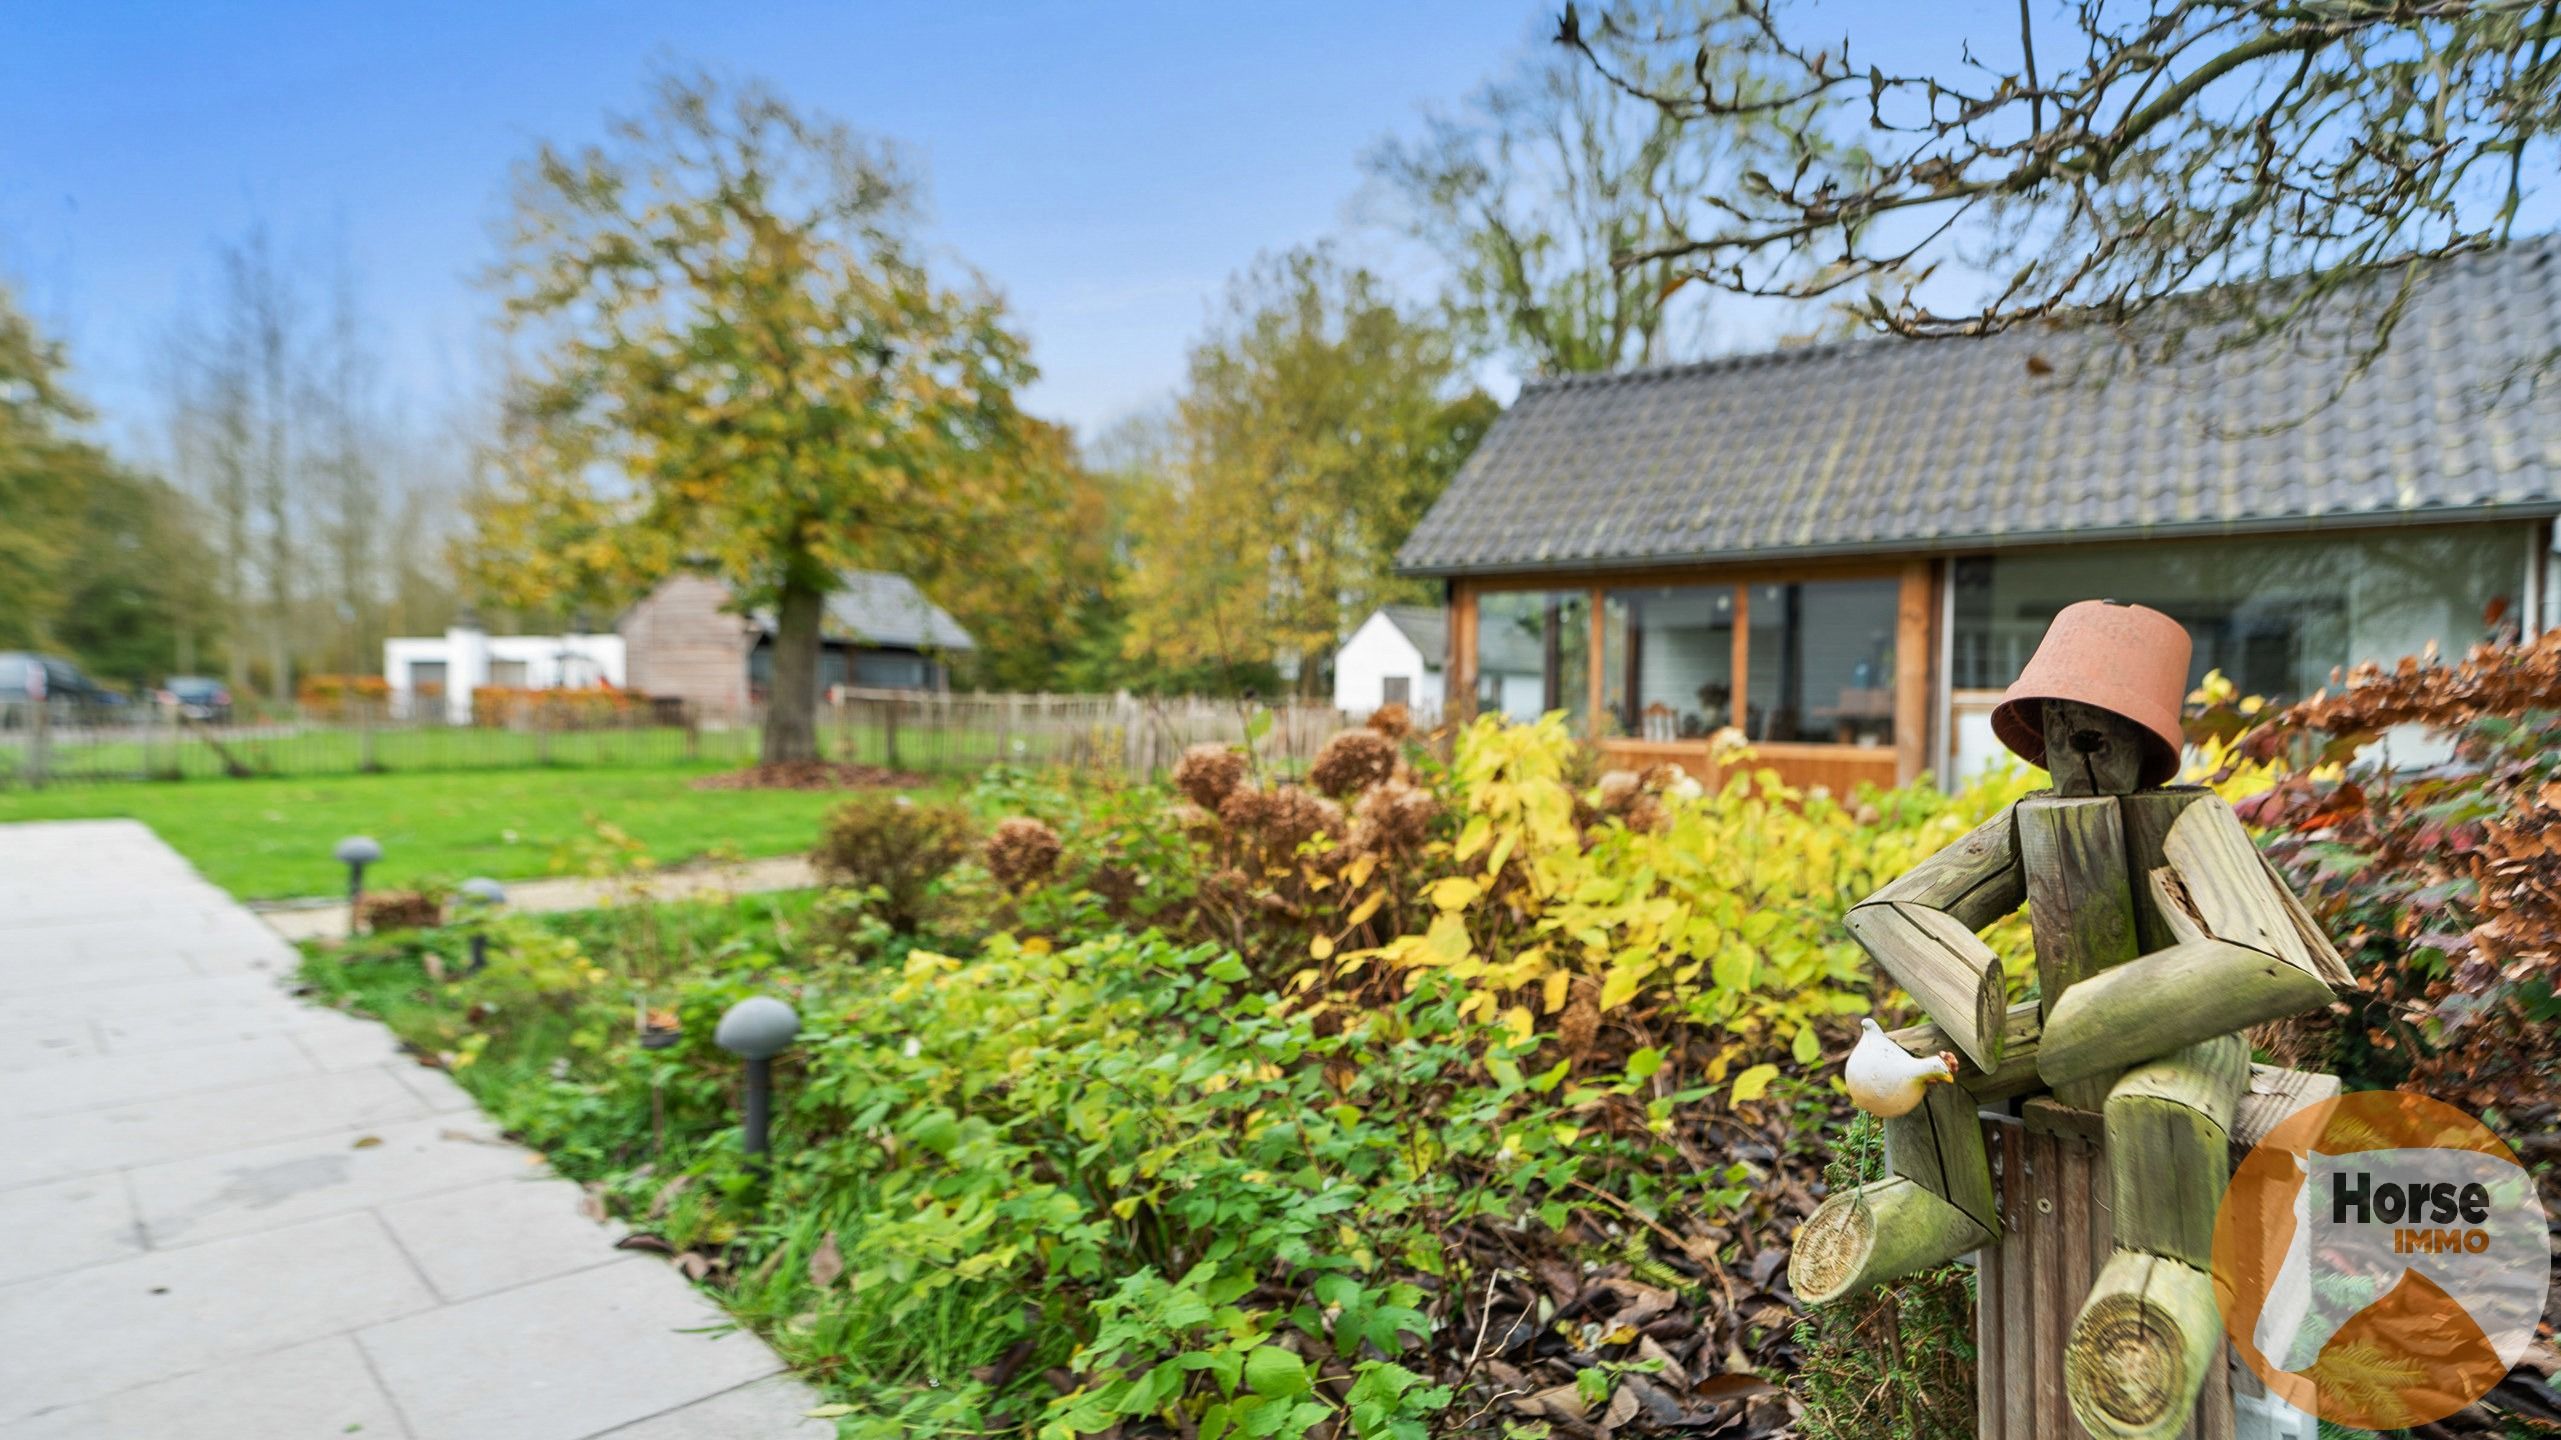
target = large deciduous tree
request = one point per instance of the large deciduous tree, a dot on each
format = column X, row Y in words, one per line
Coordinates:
column 2101, row 159
column 1318, row 423
column 1536, row 188
column 733, row 358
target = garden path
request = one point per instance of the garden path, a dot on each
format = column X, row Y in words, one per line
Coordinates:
column 231, row 1214
column 747, row 877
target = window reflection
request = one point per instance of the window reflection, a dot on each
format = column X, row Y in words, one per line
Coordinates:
column 2275, row 614
column 1671, row 661
column 1821, row 662
column 1533, row 653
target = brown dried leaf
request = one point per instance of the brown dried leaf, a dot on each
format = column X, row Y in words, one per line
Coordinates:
column 826, row 1263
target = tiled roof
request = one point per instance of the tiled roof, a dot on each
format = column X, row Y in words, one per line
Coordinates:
column 1883, row 446
column 1426, row 627
column 874, row 607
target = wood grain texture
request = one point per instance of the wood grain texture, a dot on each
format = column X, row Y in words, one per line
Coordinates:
column 2141, row 1351
column 2057, row 1296
column 2080, row 904
column 2148, row 815
column 2165, row 1001
column 1939, row 1146
column 1990, row 1316
column 2237, row 896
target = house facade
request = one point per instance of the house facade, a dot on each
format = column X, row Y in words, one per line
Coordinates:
column 1395, row 656
column 1846, row 551
column 688, row 640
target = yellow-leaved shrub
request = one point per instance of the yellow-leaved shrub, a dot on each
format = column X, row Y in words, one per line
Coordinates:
column 1718, row 906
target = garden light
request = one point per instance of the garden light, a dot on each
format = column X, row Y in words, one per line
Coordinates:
column 757, row 1030
column 356, row 852
column 480, row 894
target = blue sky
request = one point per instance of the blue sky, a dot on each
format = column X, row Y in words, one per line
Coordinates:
column 1108, row 167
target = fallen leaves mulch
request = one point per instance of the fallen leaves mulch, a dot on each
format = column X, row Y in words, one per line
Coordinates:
column 811, row 775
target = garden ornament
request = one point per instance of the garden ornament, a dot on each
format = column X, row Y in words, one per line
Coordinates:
column 356, row 852
column 1886, row 1080
column 2160, row 935
column 481, row 895
column 757, row 1030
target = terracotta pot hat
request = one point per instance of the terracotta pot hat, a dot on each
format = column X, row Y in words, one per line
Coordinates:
column 2124, row 659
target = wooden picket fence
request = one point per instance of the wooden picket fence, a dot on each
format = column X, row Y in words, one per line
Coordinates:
column 1133, row 736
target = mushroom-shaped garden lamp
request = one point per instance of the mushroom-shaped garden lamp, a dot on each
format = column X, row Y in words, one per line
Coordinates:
column 757, row 1030
column 356, row 852
column 480, row 895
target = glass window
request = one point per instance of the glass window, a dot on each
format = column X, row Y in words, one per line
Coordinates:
column 1533, row 653
column 1670, row 653
column 1821, row 658
column 2275, row 614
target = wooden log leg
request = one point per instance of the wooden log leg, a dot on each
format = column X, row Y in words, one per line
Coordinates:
column 1938, row 1145
column 2143, row 1346
column 2168, row 1147
column 1878, row 1233
column 2167, row 1000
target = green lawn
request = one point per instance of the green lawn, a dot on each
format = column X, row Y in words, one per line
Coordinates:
column 270, row 838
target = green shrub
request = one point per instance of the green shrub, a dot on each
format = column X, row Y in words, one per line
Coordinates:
column 896, row 847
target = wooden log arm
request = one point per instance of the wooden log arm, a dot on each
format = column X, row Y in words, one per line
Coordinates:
column 1920, row 928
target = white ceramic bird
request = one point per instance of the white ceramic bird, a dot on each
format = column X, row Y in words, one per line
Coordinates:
column 1885, row 1079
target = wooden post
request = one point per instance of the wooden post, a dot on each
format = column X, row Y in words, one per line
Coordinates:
column 1913, row 673
column 1741, row 660
column 39, row 740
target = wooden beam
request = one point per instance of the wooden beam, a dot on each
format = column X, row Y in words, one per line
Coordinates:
column 1460, row 703
column 2165, row 1001
column 2236, row 895
column 1742, row 659
column 1595, row 669
column 1913, row 672
column 2148, row 817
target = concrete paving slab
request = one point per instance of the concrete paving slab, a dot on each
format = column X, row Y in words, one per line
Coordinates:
column 39, row 1044
column 53, row 1147
column 306, row 1392
column 763, row 1410
column 104, row 1081
column 163, row 1072
column 84, row 1221
column 562, row 1359
column 503, row 1234
column 90, row 1333
column 240, row 1191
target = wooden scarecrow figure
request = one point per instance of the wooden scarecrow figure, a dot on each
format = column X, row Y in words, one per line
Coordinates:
column 2160, row 935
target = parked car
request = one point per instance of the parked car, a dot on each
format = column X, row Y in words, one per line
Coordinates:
column 197, row 697
column 66, row 693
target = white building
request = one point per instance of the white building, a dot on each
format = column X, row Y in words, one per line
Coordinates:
column 466, row 658
column 1395, row 655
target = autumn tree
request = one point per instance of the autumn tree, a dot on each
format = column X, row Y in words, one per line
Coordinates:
column 1535, row 189
column 2100, row 160
column 1318, row 422
column 1039, row 587
column 733, row 358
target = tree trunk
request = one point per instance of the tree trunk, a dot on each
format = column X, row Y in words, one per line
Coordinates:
column 791, row 711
